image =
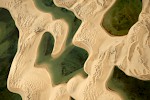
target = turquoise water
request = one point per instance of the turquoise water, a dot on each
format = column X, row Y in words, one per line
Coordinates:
column 9, row 35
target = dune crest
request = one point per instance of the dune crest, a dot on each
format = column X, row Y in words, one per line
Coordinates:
column 130, row 52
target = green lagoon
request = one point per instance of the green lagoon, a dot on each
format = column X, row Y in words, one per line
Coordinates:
column 117, row 21
column 71, row 61
column 121, row 16
column 9, row 35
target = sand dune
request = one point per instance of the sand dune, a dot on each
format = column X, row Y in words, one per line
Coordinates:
column 33, row 82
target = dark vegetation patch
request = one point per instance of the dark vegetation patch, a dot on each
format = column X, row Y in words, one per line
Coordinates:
column 71, row 61
column 9, row 35
column 68, row 64
column 128, row 87
column 121, row 17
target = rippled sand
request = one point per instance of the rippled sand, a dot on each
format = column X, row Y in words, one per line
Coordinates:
column 34, row 81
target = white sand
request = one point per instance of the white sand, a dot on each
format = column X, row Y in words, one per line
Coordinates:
column 130, row 52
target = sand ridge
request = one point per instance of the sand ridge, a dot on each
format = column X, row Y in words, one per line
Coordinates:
column 129, row 53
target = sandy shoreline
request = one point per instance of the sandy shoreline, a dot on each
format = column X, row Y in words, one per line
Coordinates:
column 130, row 53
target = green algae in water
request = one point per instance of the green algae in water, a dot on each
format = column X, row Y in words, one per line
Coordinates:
column 9, row 35
column 72, row 99
column 7, row 95
column 121, row 16
column 49, row 3
column 68, row 64
column 128, row 87
column 45, row 48
column 117, row 21
column 72, row 59
column 60, row 13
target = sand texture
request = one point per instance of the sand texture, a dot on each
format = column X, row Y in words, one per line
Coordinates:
column 35, row 79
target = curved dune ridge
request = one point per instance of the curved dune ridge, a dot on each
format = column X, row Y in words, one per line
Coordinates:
column 33, row 79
